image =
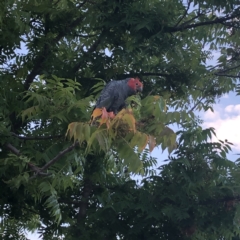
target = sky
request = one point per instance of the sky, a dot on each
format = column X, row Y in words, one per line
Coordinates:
column 225, row 119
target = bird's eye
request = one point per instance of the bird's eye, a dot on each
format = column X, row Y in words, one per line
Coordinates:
column 136, row 83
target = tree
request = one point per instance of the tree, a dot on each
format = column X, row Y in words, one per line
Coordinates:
column 69, row 178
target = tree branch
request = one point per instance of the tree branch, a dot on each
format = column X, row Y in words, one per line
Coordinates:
column 155, row 74
column 212, row 68
column 90, row 50
column 36, row 69
column 46, row 51
column 226, row 75
column 190, row 20
column 12, row 149
column 184, row 27
column 61, row 154
column 228, row 69
column 146, row 74
column 33, row 167
column 185, row 13
column 87, row 189
column 37, row 170
column 196, row 104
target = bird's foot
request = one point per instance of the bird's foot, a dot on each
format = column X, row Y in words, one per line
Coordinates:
column 106, row 115
column 111, row 115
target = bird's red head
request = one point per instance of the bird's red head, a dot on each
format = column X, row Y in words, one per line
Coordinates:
column 135, row 84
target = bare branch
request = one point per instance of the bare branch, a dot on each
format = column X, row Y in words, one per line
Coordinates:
column 227, row 75
column 228, row 69
column 190, row 20
column 87, row 188
column 61, row 154
column 223, row 73
column 12, row 149
column 33, row 167
column 216, row 21
column 37, row 170
column 147, row 74
column 155, row 74
column 212, row 68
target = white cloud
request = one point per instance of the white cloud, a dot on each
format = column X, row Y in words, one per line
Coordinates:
column 232, row 109
column 229, row 108
column 226, row 122
column 209, row 115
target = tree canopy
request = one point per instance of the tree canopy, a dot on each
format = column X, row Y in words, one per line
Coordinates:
column 70, row 178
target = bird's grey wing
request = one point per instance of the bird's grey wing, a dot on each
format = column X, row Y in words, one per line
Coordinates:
column 107, row 96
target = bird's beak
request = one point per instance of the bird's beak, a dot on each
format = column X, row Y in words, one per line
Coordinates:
column 140, row 88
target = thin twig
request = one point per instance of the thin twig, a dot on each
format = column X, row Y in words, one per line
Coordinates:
column 199, row 24
column 147, row 74
column 190, row 20
column 196, row 104
column 150, row 93
column 155, row 74
column 228, row 69
column 227, row 75
column 90, row 50
column 185, row 14
column 212, row 68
